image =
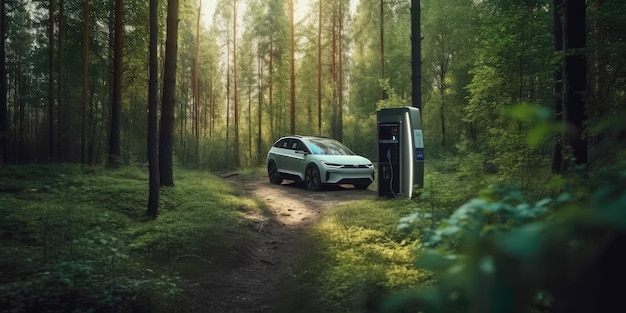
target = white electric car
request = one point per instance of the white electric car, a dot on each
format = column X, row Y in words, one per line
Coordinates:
column 317, row 161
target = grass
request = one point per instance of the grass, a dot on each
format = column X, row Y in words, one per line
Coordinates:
column 356, row 258
column 77, row 238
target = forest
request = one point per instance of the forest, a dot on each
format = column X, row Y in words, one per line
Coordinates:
column 523, row 104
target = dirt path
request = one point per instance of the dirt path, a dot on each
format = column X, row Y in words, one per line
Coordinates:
column 252, row 284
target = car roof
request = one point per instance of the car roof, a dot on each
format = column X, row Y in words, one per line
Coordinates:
column 305, row 137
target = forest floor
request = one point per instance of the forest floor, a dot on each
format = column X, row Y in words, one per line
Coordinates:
column 256, row 276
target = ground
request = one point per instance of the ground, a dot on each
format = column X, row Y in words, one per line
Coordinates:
column 253, row 281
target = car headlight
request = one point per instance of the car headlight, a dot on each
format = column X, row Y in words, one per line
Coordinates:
column 332, row 165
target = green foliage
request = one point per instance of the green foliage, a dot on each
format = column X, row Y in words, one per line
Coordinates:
column 77, row 239
column 357, row 257
column 506, row 253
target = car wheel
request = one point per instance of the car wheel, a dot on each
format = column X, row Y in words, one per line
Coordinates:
column 312, row 178
column 361, row 186
column 273, row 174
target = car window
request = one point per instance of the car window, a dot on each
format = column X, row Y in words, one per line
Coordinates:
column 299, row 146
column 324, row 146
column 283, row 143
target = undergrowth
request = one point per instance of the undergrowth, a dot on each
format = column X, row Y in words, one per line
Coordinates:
column 360, row 254
column 76, row 239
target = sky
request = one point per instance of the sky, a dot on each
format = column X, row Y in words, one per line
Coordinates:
column 301, row 8
column 209, row 8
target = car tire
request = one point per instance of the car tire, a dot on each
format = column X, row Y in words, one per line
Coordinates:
column 272, row 173
column 312, row 178
column 361, row 186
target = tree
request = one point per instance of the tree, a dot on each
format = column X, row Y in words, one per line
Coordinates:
column 153, row 127
column 416, row 56
column 235, row 87
column 195, row 84
column 319, row 69
column 337, row 42
column 60, row 97
column 575, row 78
column 292, row 74
column 4, row 116
column 166, row 135
column 557, row 16
column 83, row 138
column 447, row 53
column 51, row 136
column 116, row 100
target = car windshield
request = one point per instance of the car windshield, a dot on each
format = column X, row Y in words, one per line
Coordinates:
column 325, row 146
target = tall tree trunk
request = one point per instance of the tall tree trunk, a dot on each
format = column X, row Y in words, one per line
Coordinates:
column 271, row 88
column 60, row 105
column 250, row 83
column 575, row 78
column 443, row 68
column 382, row 47
column 195, row 86
column 319, row 71
column 557, row 16
column 153, row 123
column 339, row 130
column 116, row 101
column 4, row 115
column 333, row 71
column 260, row 104
column 292, row 74
column 416, row 56
column 183, row 91
column 211, row 107
column 83, row 141
column 227, row 95
column 235, row 87
column 166, row 136
column 19, row 127
column 51, row 81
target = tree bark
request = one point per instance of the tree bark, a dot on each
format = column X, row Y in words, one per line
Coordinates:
column 339, row 130
column 575, row 78
column 153, row 127
column 166, row 136
column 557, row 16
column 4, row 116
column 260, row 103
column 195, row 86
column 319, row 71
column 382, row 47
column 416, row 56
column 116, row 101
column 292, row 74
column 235, row 87
column 83, row 141
column 60, row 105
column 51, row 81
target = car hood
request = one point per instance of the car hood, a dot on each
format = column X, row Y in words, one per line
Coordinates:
column 344, row 159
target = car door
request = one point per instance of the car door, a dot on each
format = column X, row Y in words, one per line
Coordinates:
column 297, row 158
column 282, row 154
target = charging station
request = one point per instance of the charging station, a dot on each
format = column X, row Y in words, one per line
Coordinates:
column 400, row 151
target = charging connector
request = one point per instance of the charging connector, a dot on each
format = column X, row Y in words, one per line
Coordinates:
column 391, row 170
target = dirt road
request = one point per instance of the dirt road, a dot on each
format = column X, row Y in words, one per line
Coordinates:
column 252, row 284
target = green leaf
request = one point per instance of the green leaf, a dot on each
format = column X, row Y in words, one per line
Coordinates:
column 530, row 113
column 435, row 261
column 614, row 121
column 537, row 134
column 524, row 242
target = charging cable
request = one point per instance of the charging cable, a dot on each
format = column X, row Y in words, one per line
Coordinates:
column 391, row 169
